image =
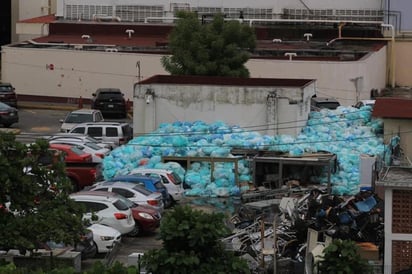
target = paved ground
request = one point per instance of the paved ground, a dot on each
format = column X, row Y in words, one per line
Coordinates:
column 143, row 243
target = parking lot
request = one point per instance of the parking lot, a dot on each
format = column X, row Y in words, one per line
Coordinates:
column 35, row 123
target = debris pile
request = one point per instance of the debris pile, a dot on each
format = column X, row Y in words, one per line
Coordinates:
column 259, row 235
column 347, row 132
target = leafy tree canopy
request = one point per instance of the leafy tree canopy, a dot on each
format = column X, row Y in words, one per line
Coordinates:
column 218, row 48
column 191, row 245
column 34, row 202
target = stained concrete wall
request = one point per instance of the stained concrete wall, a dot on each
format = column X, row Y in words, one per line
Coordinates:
column 80, row 73
column 244, row 106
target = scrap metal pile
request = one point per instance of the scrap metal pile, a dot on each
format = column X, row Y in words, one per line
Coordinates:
column 282, row 231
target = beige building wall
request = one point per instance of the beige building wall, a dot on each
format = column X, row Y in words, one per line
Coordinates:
column 79, row 73
column 26, row 9
column 334, row 79
column 75, row 73
column 403, row 63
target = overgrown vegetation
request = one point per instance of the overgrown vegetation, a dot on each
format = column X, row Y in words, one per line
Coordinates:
column 218, row 48
column 34, row 197
column 191, row 245
column 342, row 257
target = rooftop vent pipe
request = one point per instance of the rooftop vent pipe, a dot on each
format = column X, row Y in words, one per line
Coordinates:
column 290, row 54
column 130, row 32
column 308, row 36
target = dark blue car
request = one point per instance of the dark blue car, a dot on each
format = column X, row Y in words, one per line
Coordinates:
column 150, row 183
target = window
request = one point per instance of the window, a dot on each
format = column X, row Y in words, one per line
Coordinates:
column 110, row 132
column 99, row 117
column 95, row 131
column 139, row 188
column 102, row 189
column 79, row 118
column 124, row 192
column 80, row 130
column 93, row 206
column 120, row 205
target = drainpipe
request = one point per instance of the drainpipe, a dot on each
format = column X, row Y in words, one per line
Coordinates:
column 251, row 21
column 392, row 54
column 340, row 29
column 391, row 74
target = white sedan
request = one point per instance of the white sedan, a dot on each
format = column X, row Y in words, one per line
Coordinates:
column 97, row 152
column 105, row 237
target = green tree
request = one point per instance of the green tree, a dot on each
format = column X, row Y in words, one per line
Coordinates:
column 342, row 257
column 34, row 197
column 191, row 245
column 219, row 48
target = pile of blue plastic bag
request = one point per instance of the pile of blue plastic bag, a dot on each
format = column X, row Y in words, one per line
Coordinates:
column 347, row 132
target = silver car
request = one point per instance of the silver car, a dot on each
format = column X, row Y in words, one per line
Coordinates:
column 132, row 191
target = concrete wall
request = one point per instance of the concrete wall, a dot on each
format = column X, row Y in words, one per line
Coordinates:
column 243, row 106
column 75, row 73
column 80, row 73
column 26, row 9
column 334, row 79
column 403, row 63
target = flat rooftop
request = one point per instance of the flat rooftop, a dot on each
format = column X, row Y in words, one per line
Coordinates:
column 273, row 41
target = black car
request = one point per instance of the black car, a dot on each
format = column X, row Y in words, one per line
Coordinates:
column 8, row 115
column 318, row 103
column 8, row 94
column 110, row 101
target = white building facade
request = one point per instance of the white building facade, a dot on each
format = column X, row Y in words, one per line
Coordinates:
column 280, row 106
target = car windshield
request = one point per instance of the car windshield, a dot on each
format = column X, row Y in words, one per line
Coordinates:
column 126, row 201
column 79, row 118
column 5, row 88
column 4, row 106
column 176, row 178
column 138, row 187
column 328, row 105
column 110, row 95
column 77, row 150
column 93, row 146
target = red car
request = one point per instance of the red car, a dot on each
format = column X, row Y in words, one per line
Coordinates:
column 72, row 153
column 147, row 219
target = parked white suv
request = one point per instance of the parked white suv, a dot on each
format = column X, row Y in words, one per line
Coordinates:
column 109, row 210
column 170, row 179
column 79, row 116
column 118, row 133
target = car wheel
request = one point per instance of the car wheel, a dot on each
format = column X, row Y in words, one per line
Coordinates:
column 97, row 249
column 136, row 231
column 7, row 125
column 172, row 201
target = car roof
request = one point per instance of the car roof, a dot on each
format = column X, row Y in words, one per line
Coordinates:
column 102, row 124
column 134, row 176
column 85, row 110
column 157, row 170
column 324, row 99
column 58, row 145
column 117, row 183
column 109, row 90
column 98, row 195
